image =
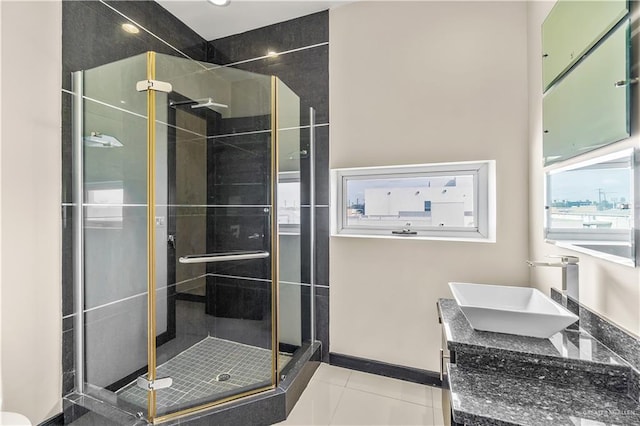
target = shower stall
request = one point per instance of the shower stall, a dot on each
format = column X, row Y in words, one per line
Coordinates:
column 192, row 242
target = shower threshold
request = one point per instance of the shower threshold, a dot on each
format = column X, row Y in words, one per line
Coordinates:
column 211, row 369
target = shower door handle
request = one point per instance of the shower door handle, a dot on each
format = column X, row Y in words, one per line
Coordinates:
column 224, row 257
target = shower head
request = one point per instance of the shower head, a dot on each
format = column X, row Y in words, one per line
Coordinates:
column 98, row 140
column 297, row 155
column 198, row 103
column 208, row 102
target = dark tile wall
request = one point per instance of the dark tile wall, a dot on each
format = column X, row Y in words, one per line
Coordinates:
column 306, row 72
column 322, row 164
column 68, row 341
column 239, row 172
column 322, row 320
column 302, row 72
column 322, row 246
column 284, row 36
column 92, row 36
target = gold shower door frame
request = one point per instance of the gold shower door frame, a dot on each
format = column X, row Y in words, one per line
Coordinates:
column 151, row 251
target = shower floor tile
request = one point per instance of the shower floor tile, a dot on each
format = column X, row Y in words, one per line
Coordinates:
column 194, row 372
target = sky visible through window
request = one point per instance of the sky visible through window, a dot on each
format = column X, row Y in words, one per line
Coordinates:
column 594, row 196
column 595, row 185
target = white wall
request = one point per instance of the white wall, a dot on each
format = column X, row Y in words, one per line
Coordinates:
column 610, row 289
column 30, row 218
column 1, row 381
column 423, row 82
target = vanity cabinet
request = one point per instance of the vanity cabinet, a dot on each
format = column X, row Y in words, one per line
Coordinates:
column 571, row 29
column 589, row 107
column 446, row 357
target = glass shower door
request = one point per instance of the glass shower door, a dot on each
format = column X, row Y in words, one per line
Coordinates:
column 214, row 245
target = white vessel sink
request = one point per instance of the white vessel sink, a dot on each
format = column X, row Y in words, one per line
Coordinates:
column 514, row 310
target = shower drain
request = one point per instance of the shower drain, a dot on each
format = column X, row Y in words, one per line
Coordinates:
column 223, row 377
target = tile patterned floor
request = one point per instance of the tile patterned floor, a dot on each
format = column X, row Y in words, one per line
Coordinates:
column 194, row 373
column 337, row 396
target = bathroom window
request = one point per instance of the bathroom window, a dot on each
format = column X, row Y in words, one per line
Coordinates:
column 104, row 204
column 436, row 201
column 289, row 202
column 590, row 206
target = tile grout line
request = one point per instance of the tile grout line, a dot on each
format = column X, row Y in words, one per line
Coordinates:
column 393, row 398
column 333, row 414
column 346, row 386
column 259, row 58
column 436, row 409
column 233, row 354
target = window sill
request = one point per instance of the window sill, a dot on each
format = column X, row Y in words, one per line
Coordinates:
column 418, row 237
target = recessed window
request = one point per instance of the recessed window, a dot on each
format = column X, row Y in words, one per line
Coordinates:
column 450, row 201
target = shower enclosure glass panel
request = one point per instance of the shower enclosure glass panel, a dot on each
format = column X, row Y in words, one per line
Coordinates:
column 110, row 203
column 214, row 135
column 293, row 218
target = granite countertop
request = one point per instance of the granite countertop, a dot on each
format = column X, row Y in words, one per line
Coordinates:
column 480, row 398
column 568, row 379
column 566, row 347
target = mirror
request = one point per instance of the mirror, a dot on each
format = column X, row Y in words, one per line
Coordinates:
column 571, row 29
column 589, row 107
column 590, row 207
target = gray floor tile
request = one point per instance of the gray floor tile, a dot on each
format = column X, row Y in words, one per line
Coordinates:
column 195, row 373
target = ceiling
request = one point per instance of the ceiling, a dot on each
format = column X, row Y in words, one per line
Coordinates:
column 212, row 22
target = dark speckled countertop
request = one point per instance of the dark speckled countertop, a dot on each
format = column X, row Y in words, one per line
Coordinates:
column 479, row 398
column 567, row 346
column 568, row 379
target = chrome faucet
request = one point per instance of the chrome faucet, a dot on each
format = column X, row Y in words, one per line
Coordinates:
column 569, row 265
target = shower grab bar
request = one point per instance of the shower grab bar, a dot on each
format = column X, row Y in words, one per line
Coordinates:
column 224, row 257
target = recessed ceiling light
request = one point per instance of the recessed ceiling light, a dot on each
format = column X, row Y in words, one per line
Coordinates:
column 130, row 28
column 219, row 2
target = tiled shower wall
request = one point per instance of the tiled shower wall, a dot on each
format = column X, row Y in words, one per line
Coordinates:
column 302, row 63
column 89, row 40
